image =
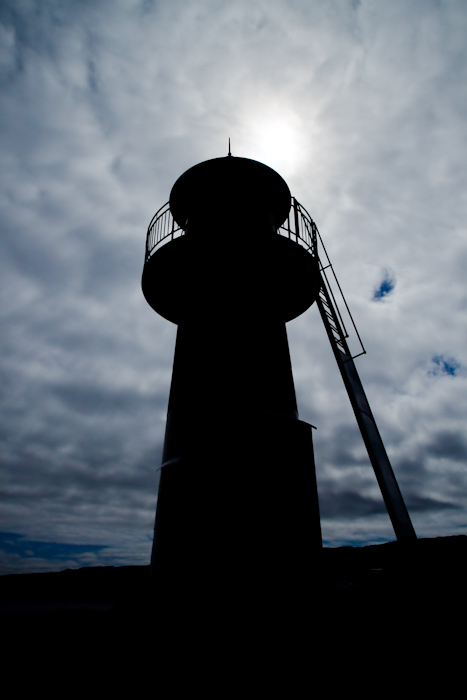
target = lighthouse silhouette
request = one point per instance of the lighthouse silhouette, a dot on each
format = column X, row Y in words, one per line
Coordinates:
column 231, row 259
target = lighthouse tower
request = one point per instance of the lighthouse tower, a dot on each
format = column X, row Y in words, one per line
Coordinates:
column 237, row 499
column 230, row 260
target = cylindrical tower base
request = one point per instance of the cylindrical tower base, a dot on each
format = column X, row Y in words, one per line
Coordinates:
column 239, row 522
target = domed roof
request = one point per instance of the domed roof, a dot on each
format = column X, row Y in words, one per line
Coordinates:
column 239, row 185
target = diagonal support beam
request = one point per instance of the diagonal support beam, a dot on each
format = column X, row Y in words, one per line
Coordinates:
column 379, row 459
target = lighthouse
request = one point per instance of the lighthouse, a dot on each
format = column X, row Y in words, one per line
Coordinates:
column 231, row 259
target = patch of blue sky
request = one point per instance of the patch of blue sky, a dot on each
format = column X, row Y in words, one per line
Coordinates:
column 353, row 542
column 386, row 286
column 13, row 543
column 444, row 365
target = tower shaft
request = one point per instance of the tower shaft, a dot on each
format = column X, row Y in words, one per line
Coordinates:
column 237, row 507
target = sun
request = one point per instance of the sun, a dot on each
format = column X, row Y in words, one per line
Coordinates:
column 277, row 144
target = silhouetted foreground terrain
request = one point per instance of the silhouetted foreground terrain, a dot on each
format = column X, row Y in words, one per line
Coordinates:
column 346, row 573
column 366, row 607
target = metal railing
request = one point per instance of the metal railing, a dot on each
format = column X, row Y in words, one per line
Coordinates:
column 161, row 229
column 298, row 227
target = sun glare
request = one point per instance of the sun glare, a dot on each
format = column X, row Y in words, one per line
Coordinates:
column 277, row 144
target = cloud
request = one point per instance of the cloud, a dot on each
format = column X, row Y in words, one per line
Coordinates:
column 449, row 445
column 349, row 503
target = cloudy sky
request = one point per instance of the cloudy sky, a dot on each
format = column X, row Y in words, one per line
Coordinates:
column 361, row 106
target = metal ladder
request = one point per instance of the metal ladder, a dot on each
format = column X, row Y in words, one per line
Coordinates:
column 338, row 335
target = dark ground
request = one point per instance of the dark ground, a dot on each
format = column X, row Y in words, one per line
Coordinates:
column 370, row 617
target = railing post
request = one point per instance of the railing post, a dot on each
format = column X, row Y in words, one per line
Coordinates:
column 297, row 229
